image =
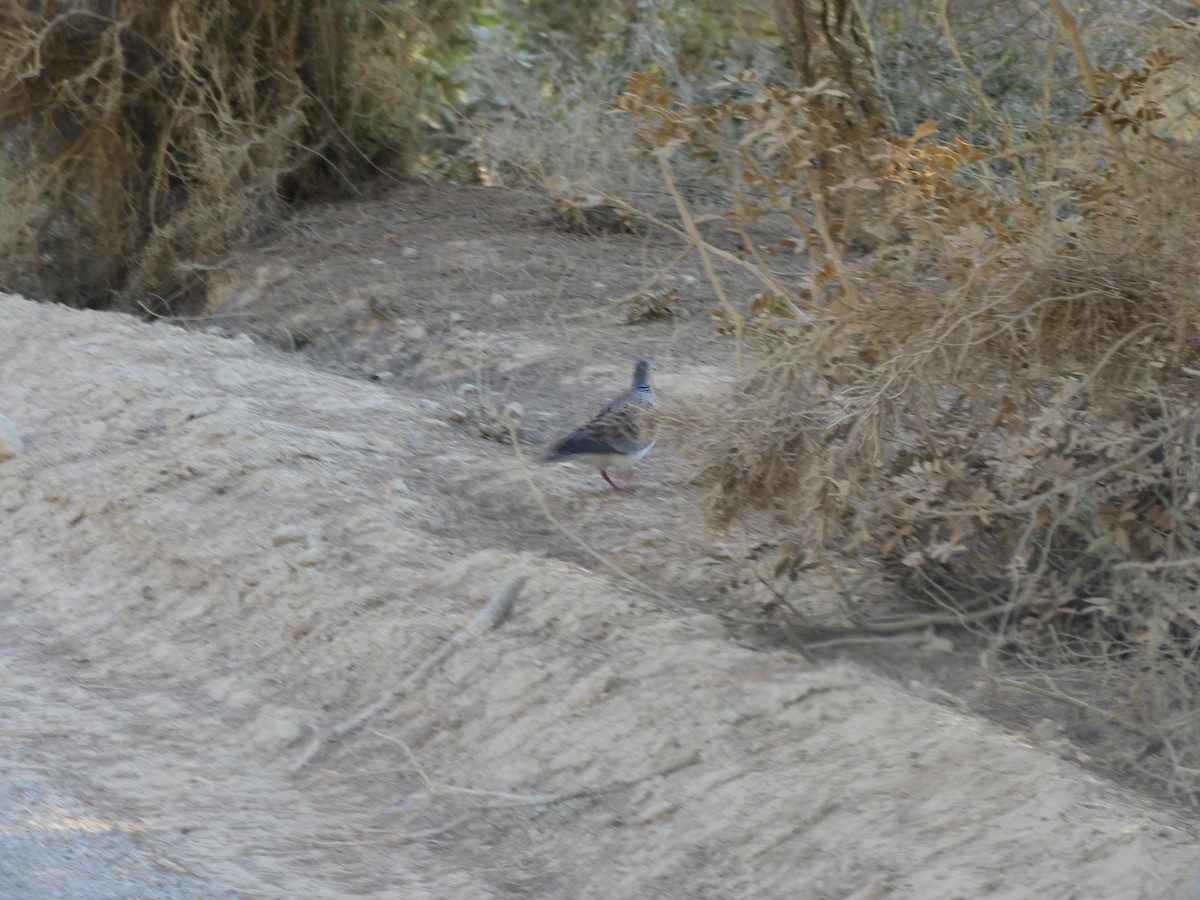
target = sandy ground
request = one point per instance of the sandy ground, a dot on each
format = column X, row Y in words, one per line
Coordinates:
column 237, row 586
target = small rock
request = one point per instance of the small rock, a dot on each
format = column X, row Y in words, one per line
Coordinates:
column 384, row 376
column 655, row 811
column 417, row 333
column 457, row 318
column 456, row 416
column 513, row 410
column 229, row 379
column 589, row 691
column 465, row 390
column 298, row 628
column 94, row 431
column 10, row 439
column 497, row 299
column 277, row 728
column 431, row 405
column 398, row 486
column 410, row 252
column 287, row 534
column 732, row 716
column 1046, row 730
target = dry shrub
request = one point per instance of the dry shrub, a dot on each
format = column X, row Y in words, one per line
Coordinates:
column 582, row 211
column 1001, row 403
column 543, row 75
column 142, row 139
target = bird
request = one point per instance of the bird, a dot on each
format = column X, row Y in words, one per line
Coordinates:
column 613, row 438
column 640, row 392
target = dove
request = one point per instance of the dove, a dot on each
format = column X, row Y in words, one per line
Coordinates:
column 613, row 438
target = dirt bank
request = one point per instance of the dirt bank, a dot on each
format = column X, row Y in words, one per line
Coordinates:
column 216, row 553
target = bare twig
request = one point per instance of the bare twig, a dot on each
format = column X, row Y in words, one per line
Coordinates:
column 488, row 618
column 629, row 297
column 1051, row 693
column 570, row 533
column 506, row 800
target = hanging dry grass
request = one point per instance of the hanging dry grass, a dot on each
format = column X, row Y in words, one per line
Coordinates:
column 1001, row 404
column 142, row 139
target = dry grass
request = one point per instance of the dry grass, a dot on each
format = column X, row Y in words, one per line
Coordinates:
column 144, row 139
column 1001, row 402
column 543, row 77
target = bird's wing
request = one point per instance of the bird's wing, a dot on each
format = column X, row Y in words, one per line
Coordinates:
column 631, row 397
column 615, row 431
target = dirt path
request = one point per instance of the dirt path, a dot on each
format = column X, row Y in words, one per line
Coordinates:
column 216, row 552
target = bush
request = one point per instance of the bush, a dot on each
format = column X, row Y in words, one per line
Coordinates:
column 143, row 139
column 998, row 403
column 543, row 76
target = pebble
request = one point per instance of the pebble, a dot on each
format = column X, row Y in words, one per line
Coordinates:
column 497, row 299
column 299, row 628
column 732, row 716
column 11, row 443
column 286, row 534
column 655, row 811
column 417, row 333
column 456, row 318
column 229, row 379
column 1047, row 730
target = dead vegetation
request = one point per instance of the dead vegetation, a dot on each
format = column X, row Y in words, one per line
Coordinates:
column 1000, row 402
column 582, row 211
column 652, row 305
column 142, row 140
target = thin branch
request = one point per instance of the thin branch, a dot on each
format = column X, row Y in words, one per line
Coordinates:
column 488, row 618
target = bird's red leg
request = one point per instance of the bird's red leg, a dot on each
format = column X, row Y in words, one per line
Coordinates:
column 613, row 484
